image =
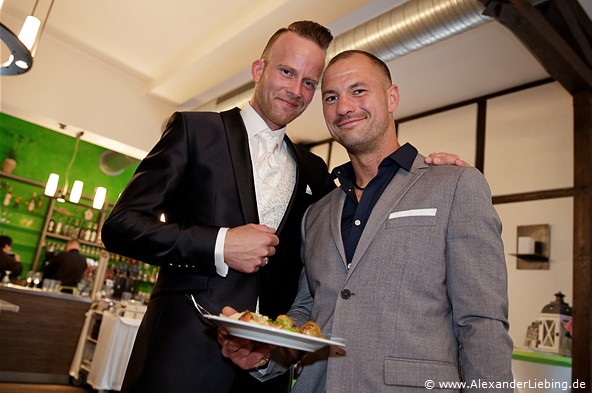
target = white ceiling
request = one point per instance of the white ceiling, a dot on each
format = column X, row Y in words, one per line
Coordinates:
column 183, row 53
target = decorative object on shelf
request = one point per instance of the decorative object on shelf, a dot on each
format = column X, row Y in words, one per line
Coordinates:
column 9, row 163
column 532, row 247
column 24, row 46
column 7, row 197
column 15, row 141
column 552, row 331
column 54, row 179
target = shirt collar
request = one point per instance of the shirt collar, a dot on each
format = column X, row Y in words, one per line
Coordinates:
column 403, row 156
column 255, row 123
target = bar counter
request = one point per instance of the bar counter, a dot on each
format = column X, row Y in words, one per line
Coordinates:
column 38, row 341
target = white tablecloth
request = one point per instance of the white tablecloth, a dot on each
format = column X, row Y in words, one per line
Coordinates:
column 114, row 346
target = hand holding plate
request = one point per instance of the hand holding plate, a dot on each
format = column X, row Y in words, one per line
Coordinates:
column 243, row 352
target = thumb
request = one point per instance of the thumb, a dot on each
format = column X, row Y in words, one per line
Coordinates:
column 228, row 311
column 265, row 228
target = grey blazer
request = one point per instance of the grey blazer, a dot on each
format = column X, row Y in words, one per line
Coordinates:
column 425, row 297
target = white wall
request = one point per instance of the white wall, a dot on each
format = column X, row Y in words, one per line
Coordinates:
column 529, row 147
column 100, row 98
column 451, row 131
column 529, row 141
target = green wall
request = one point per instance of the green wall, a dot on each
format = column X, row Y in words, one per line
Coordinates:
column 38, row 152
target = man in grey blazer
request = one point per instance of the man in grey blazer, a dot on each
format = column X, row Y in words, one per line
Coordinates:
column 404, row 261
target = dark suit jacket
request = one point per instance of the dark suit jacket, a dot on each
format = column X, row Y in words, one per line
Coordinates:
column 67, row 266
column 200, row 176
column 7, row 262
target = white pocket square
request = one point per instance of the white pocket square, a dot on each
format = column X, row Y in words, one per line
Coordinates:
column 308, row 190
column 413, row 213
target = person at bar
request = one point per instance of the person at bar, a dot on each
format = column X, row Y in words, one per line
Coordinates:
column 68, row 266
column 9, row 261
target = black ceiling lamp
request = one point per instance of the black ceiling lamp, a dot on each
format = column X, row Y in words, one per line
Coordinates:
column 22, row 47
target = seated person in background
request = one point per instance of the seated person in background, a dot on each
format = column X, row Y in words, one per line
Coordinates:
column 9, row 261
column 68, row 266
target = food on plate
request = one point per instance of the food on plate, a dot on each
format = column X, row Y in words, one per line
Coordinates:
column 284, row 322
column 311, row 328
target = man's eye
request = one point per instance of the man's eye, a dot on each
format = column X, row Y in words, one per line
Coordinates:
column 310, row 85
column 286, row 72
column 330, row 98
column 359, row 91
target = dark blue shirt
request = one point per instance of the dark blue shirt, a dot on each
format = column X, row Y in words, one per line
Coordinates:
column 355, row 214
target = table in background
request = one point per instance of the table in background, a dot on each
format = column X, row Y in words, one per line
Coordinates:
column 104, row 357
column 539, row 366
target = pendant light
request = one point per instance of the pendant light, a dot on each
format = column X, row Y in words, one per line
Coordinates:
column 23, row 46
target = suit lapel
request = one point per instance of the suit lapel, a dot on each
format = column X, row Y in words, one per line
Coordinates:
column 298, row 184
column 337, row 199
column 393, row 193
column 240, row 155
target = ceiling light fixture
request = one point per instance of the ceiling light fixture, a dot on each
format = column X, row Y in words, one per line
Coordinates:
column 23, row 47
column 53, row 181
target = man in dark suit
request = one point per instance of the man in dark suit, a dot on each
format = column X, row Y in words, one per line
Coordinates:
column 204, row 176
column 68, row 266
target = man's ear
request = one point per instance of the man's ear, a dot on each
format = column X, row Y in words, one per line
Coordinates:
column 257, row 69
column 393, row 98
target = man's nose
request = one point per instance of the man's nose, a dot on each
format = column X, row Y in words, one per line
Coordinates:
column 345, row 105
column 295, row 88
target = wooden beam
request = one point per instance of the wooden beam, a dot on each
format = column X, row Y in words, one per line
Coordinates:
column 480, row 140
column 533, row 196
column 577, row 24
column 582, row 240
column 544, row 41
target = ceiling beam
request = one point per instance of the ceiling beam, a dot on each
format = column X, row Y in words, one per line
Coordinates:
column 557, row 32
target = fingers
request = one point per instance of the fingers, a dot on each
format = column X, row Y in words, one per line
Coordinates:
column 244, row 353
column 228, row 311
column 445, row 159
column 247, row 248
column 263, row 362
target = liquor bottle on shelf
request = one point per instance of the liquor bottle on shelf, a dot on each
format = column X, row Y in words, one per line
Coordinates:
column 77, row 228
column 93, row 234
column 32, row 203
column 72, row 229
column 88, row 232
column 7, row 197
column 81, row 232
column 51, row 225
column 58, row 228
column 66, row 228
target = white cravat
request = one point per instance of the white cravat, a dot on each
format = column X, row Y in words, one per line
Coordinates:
column 275, row 174
column 264, row 191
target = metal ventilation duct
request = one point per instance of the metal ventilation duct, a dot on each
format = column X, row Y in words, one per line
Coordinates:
column 402, row 30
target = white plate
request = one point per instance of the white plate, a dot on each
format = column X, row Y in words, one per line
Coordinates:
column 270, row 335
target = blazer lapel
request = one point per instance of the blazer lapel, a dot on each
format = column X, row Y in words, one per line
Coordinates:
column 337, row 199
column 240, row 155
column 299, row 184
column 393, row 193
